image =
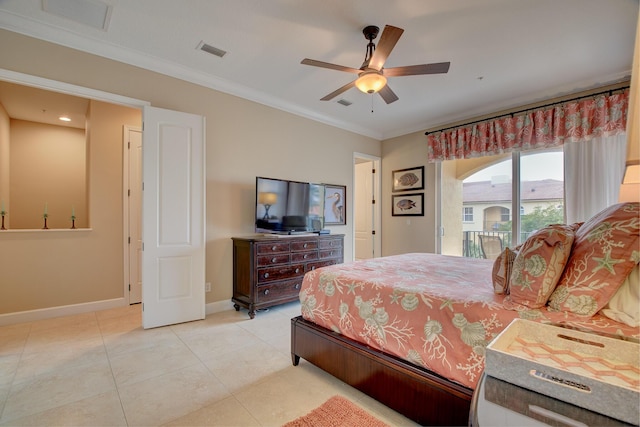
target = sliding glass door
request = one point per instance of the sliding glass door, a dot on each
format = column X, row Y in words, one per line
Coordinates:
column 503, row 200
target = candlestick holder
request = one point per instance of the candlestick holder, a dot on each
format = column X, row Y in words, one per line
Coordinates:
column 2, row 226
column 73, row 223
column 45, row 224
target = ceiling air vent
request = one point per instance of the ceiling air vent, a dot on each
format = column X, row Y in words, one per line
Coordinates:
column 93, row 13
column 344, row 102
column 210, row 49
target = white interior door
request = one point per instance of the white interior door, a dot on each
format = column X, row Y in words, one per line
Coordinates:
column 173, row 212
column 364, row 210
column 134, row 147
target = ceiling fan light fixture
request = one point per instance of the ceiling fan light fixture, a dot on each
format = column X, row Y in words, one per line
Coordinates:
column 371, row 81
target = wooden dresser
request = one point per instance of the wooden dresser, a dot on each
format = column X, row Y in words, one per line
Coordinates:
column 268, row 270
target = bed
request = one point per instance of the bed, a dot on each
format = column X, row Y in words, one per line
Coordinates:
column 410, row 330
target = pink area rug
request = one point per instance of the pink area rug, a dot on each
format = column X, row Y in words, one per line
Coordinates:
column 335, row 412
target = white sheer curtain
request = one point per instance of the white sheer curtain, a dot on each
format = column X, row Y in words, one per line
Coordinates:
column 593, row 173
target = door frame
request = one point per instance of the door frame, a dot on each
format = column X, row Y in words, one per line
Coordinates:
column 377, row 210
column 94, row 94
column 126, row 219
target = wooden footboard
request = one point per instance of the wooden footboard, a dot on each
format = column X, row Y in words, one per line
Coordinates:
column 417, row 393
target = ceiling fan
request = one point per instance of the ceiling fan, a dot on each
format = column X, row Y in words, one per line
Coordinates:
column 372, row 77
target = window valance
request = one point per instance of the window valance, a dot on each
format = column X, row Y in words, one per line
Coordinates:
column 549, row 126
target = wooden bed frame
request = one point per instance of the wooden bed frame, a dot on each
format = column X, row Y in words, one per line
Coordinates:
column 415, row 392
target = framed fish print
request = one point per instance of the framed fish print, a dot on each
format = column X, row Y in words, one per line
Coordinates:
column 408, row 179
column 335, row 205
column 407, row 204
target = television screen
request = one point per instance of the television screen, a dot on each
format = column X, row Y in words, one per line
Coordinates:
column 284, row 206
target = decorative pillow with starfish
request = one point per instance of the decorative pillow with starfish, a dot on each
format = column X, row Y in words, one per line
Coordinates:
column 539, row 266
column 604, row 252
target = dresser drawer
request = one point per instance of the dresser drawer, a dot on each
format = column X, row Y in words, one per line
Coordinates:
column 304, row 245
column 317, row 264
column 304, row 256
column 272, row 247
column 270, row 274
column 330, row 243
column 279, row 290
column 332, row 253
column 277, row 258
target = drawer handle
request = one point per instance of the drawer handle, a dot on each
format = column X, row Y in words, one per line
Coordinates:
column 306, row 256
column 266, row 275
column 273, row 248
column 297, row 286
column 297, row 270
column 273, row 260
column 266, row 291
column 305, row 245
column 331, row 253
column 313, row 268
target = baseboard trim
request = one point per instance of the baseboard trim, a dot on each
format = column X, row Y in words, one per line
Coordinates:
column 218, row 306
column 67, row 310
column 64, row 310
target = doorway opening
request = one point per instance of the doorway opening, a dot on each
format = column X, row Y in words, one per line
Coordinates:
column 367, row 234
column 53, row 87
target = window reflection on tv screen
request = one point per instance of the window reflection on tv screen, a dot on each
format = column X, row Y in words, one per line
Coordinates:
column 284, row 206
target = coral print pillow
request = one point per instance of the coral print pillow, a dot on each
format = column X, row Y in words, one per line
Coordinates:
column 604, row 252
column 538, row 266
column 502, row 271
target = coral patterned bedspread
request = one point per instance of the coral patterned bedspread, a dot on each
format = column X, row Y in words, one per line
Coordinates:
column 436, row 311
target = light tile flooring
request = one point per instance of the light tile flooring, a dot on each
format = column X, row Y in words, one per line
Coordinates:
column 102, row 368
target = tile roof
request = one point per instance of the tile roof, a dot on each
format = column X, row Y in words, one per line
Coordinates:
column 486, row 191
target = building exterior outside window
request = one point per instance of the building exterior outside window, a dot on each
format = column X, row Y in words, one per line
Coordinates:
column 504, row 215
column 467, row 214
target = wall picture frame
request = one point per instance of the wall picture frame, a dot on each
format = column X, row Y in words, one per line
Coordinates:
column 408, row 179
column 407, row 204
column 335, row 204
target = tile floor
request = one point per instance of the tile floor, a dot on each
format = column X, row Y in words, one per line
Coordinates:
column 102, row 368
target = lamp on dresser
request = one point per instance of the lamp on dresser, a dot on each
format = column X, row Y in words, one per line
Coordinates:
column 267, row 199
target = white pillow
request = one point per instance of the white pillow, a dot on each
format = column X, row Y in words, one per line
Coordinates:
column 624, row 305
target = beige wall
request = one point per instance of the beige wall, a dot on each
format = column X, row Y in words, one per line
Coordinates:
column 48, row 165
column 411, row 233
column 451, row 209
column 633, row 125
column 244, row 139
column 5, row 140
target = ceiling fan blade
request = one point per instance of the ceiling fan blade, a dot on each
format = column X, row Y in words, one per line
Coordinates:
column 414, row 70
column 330, row 66
column 388, row 95
column 339, row 91
column 388, row 39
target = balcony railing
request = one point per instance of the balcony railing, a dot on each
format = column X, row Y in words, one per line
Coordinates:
column 471, row 243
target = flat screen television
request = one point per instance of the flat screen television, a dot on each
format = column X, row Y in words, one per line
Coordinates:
column 288, row 207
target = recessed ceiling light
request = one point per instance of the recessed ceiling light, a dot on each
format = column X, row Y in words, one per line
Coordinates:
column 64, row 118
